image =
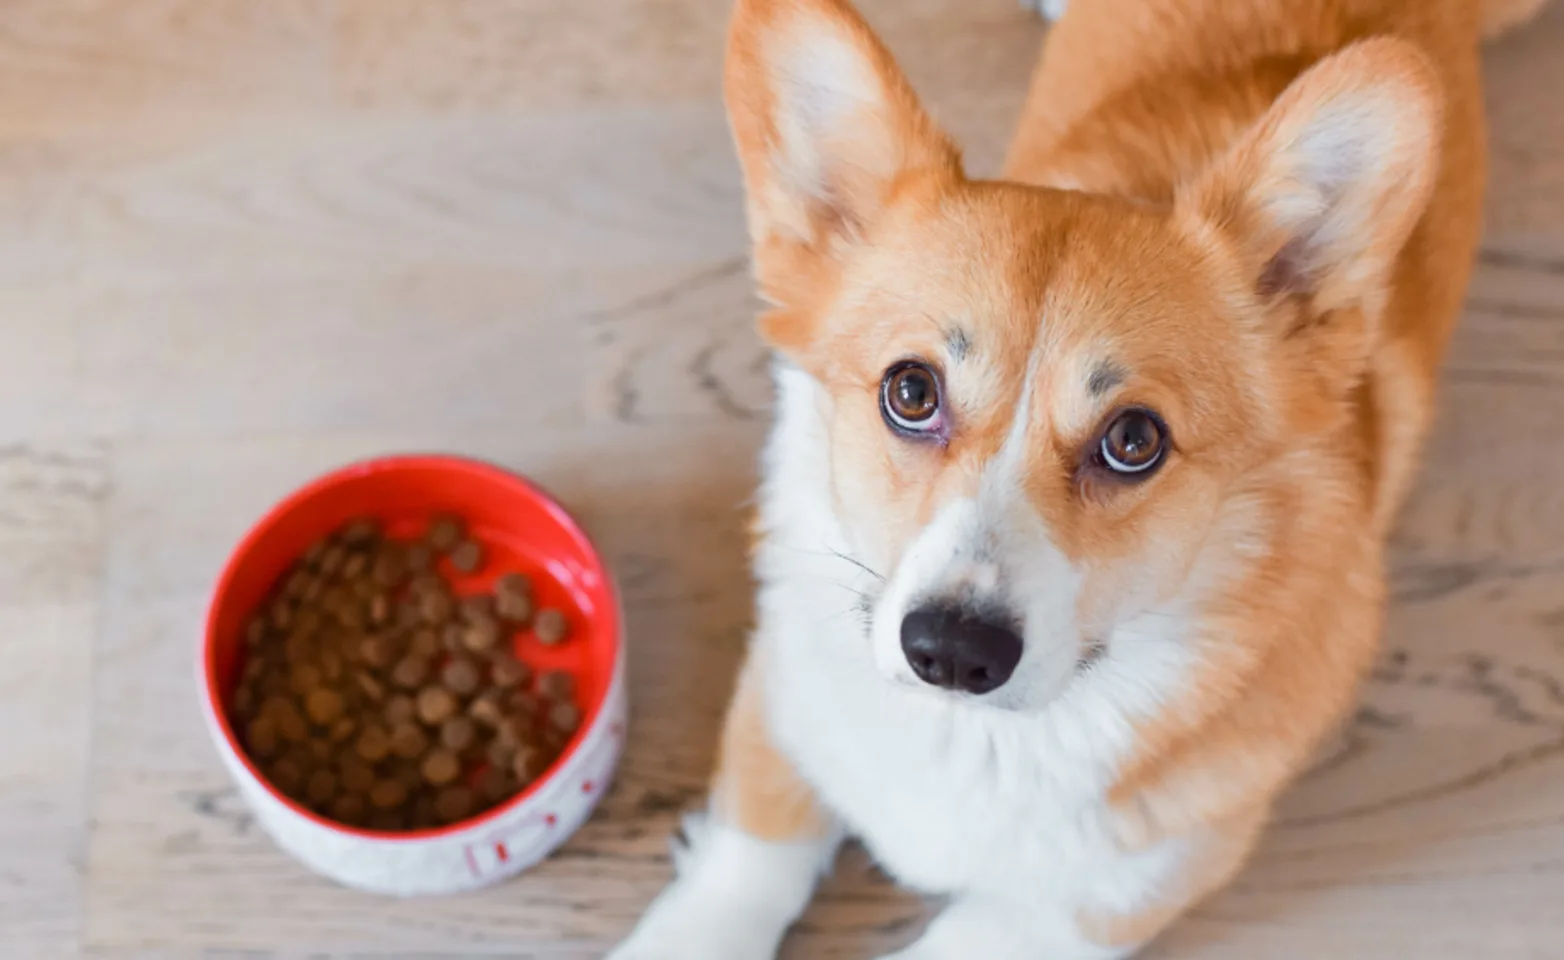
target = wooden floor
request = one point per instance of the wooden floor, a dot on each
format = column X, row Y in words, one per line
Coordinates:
column 243, row 241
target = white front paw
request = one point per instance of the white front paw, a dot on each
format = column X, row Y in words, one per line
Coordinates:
column 734, row 898
column 681, row 926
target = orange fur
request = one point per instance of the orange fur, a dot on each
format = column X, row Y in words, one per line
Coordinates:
column 1150, row 215
column 754, row 787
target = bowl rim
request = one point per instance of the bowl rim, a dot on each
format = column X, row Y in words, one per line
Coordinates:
column 217, row 716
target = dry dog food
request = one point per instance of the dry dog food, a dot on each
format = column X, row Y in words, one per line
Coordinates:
column 375, row 696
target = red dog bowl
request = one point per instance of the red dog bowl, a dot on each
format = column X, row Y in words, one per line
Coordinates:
column 522, row 529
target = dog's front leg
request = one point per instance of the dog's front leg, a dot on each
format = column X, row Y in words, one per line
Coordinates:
column 748, row 866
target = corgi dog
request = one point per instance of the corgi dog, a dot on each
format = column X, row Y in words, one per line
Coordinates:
column 1071, row 530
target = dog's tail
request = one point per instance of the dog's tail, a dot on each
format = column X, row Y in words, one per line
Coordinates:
column 1501, row 15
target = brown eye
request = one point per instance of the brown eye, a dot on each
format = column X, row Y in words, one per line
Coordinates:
column 909, row 398
column 1133, row 444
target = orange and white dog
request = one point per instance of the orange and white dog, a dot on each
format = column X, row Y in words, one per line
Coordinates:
column 1072, row 524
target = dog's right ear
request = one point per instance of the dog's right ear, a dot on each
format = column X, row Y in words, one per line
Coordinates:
column 826, row 128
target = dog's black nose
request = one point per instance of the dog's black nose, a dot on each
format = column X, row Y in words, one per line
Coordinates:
column 952, row 648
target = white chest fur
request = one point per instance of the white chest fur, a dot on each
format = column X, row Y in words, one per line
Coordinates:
column 949, row 795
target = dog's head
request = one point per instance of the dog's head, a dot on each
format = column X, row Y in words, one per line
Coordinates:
column 1045, row 406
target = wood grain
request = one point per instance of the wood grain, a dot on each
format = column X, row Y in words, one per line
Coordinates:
column 241, row 243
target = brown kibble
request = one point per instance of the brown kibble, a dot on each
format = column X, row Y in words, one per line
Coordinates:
column 281, row 615
column 513, row 584
column 467, row 556
column 359, row 532
column 557, row 685
column 486, row 709
column 454, row 803
column 481, row 635
column 323, row 705
column 373, row 743
column 435, row 606
column 400, row 709
column 475, row 607
column 501, row 752
column 262, row 738
column 293, row 588
column 461, row 677
column 515, row 609
column 304, row 678
column 314, row 552
column 410, row 672
column 513, row 597
column 290, row 723
column 322, row 786
column 357, row 776
column 418, row 557
column 426, row 644
column 494, row 784
column 407, row 772
column 440, row 767
column 330, row 666
column 508, row 671
column 458, row 733
column 373, row 689
column 244, row 702
column 445, row 532
column 516, row 730
column 370, row 689
column 287, row 775
column 554, row 741
column 296, row 648
column 390, row 566
column 379, row 610
column 351, row 617
column 331, row 561
column 406, row 616
column 388, row 793
column 525, row 704
column 423, row 814
column 342, row 729
column 386, row 821
column 336, row 600
column 528, row 764
column 349, row 809
column 436, row 705
column 307, row 621
column 377, row 650
column 565, row 717
column 550, row 626
column 408, row 741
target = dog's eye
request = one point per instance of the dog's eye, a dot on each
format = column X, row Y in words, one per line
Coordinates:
column 1133, row 444
column 909, row 398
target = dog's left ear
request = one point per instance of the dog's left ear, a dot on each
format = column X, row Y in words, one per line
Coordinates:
column 1319, row 197
column 826, row 128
